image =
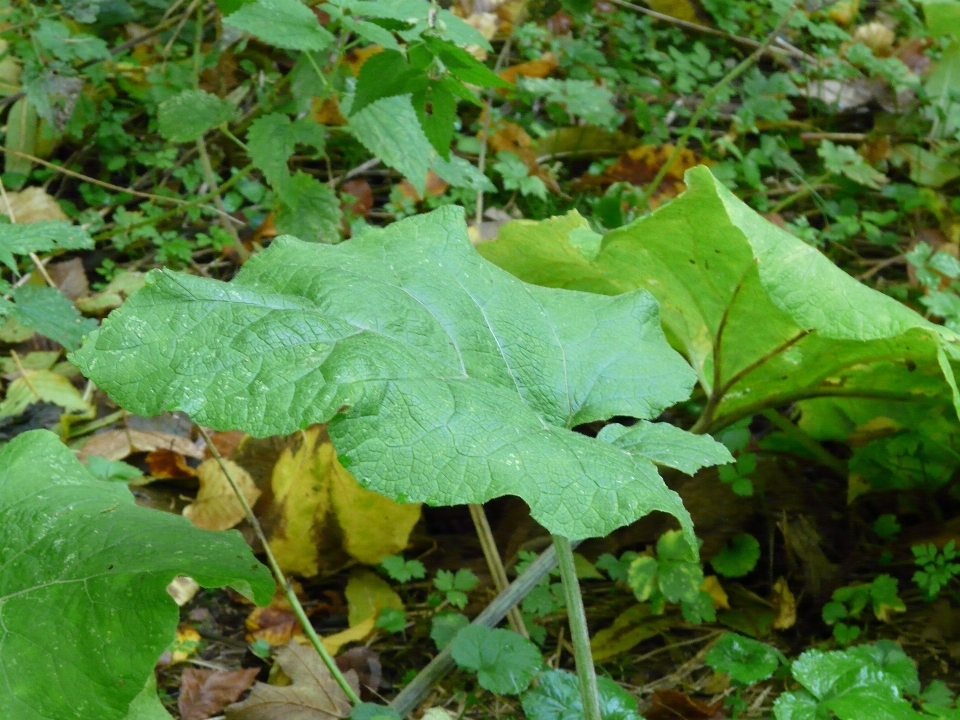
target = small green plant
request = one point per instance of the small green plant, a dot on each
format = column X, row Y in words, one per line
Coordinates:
column 402, row 570
column 746, row 661
column 848, row 603
column 938, row 568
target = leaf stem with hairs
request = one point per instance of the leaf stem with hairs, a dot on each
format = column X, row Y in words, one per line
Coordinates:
column 279, row 576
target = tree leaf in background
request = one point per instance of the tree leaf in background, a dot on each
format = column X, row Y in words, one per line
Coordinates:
column 794, row 325
column 84, row 563
column 47, row 311
column 308, row 209
column 408, row 343
column 25, row 238
column 187, row 116
column 287, row 24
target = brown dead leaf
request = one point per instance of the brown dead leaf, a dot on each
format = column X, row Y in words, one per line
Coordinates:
column 640, row 166
column 225, row 442
column 540, row 68
column 31, row 204
column 560, row 23
column 314, row 694
column 275, row 624
column 784, row 605
column 204, row 693
column 70, row 278
column 355, row 58
column 217, row 506
column 434, row 187
column 166, row 464
column 118, row 444
column 365, row 663
column 360, row 190
column 675, row 705
column 327, row 111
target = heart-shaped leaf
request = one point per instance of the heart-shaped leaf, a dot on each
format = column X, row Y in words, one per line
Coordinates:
column 445, row 380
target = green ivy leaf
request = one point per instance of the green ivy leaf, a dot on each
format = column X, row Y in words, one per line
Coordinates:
column 47, row 311
column 287, row 24
column 796, row 326
column 408, row 343
column 666, row 444
column 745, row 660
column 273, row 138
column 504, row 661
column 308, row 209
column 187, row 116
column 84, row 611
column 557, row 697
column 738, row 557
column 43, row 236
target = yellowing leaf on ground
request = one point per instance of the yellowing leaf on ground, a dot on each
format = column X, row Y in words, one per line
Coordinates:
column 314, row 694
column 367, row 594
column 681, row 9
column 542, row 67
column 204, row 693
column 118, row 444
column 42, row 386
column 784, row 605
column 712, row 587
column 217, row 506
column 185, row 644
column 357, row 633
column 629, row 629
column 317, row 508
column 32, row 205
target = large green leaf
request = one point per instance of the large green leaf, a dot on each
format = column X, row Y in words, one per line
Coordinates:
column 84, row 611
column 444, row 379
column 287, row 24
column 43, row 236
column 763, row 318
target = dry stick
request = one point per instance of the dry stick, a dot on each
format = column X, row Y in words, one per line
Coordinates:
column 279, row 576
column 784, row 49
column 33, row 256
column 418, row 689
column 707, row 102
column 109, row 186
column 494, row 562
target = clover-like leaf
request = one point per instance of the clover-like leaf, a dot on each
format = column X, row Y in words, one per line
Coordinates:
column 84, row 611
column 504, row 661
column 764, row 318
column 444, row 379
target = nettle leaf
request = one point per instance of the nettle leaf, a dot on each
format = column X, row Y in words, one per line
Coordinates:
column 287, row 24
column 47, row 311
column 84, row 611
column 272, row 139
column 504, row 661
column 794, row 325
column 557, row 697
column 745, row 660
column 308, row 209
column 43, row 236
column 187, row 116
column 444, row 379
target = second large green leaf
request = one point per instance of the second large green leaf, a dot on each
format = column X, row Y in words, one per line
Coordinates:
column 444, row 379
column 764, row 318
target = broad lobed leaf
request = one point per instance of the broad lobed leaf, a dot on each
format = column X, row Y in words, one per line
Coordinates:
column 83, row 576
column 794, row 326
column 444, row 379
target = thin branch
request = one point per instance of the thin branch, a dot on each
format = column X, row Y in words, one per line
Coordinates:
column 278, row 574
column 784, row 48
column 495, row 564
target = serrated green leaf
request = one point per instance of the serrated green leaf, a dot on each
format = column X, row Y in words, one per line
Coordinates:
column 844, row 160
column 47, row 311
column 84, row 611
column 390, row 130
column 273, row 138
column 407, row 341
column 308, row 209
column 738, row 557
column 504, row 661
column 287, row 24
column 745, row 660
column 462, row 65
column 557, row 697
column 187, row 116
column 666, row 444
column 382, row 75
column 796, row 326
column 43, row 236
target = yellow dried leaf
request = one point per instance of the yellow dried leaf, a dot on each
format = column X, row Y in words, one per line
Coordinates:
column 118, row 444
column 784, row 605
column 629, row 629
column 680, row 9
column 358, row 633
column 367, row 594
column 217, row 506
column 712, row 587
column 32, row 205
column 43, row 386
column 319, row 508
